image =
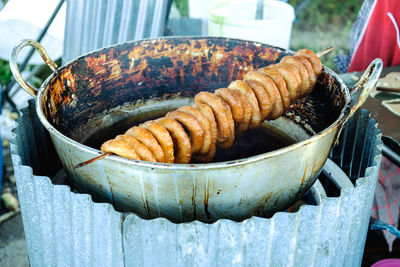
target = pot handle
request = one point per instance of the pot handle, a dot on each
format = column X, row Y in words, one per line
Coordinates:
column 361, row 90
column 14, row 64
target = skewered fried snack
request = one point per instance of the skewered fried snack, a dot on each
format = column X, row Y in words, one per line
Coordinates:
column 120, row 148
column 205, row 125
column 223, row 117
column 163, row 137
column 216, row 118
column 275, row 75
column 248, row 93
column 141, row 150
column 208, row 113
column 147, row 139
column 182, row 143
column 304, row 76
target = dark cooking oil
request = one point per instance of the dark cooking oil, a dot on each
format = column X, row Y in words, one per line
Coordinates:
column 263, row 139
column 100, row 136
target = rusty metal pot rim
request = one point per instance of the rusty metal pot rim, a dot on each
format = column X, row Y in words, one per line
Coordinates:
column 344, row 114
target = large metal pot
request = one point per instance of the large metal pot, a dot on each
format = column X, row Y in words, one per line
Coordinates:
column 128, row 80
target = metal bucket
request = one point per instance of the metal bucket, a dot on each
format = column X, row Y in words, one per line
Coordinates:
column 133, row 79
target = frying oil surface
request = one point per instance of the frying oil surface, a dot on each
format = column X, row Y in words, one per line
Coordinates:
column 257, row 141
column 263, row 139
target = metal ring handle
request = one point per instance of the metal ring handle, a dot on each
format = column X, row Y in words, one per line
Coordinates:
column 361, row 90
column 14, row 64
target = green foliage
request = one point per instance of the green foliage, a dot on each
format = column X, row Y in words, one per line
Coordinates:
column 5, row 72
column 183, row 7
column 322, row 24
column 320, row 14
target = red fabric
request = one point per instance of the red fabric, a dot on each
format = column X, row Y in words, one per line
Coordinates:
column 380, row 38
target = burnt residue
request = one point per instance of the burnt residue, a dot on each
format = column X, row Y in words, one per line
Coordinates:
column 147, row 69
column 322, row 107
column 95, row 83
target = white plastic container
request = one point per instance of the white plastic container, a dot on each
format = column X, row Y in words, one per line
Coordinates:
column 199, row 8
column 236, row 19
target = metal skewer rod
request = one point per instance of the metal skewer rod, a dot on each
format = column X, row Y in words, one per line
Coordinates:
column 319, row 54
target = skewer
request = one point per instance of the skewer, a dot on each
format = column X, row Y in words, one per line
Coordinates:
column 92, row 160
column 324, row 52
column 82, row 164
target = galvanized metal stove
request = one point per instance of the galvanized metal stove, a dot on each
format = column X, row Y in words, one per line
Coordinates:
column 66, row 228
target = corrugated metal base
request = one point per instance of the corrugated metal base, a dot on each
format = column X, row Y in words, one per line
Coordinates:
column 68, row 229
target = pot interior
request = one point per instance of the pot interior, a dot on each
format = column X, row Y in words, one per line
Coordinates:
column 111, row 85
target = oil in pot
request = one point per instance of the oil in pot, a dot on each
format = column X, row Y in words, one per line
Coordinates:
column 263, row 139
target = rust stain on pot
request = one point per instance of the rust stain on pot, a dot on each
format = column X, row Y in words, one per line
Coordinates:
column 125, row 73
column 267, row 198
column 194, row 198
column 206, row 197
column 145, row 203
column 304, row 177
column 315, row 164
column 277, row 199
column 111, row 189
column 147, row 206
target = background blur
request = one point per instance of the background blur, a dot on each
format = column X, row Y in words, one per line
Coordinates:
column 318, row 24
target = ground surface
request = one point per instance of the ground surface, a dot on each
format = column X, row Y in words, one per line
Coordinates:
column 13, row 250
